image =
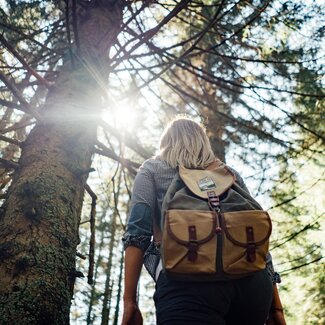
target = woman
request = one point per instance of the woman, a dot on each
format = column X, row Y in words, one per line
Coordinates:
column 250, row 300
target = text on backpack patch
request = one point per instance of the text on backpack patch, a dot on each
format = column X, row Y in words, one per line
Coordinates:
column 206, row 183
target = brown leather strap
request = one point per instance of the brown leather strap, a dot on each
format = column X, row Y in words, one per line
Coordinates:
column 251, row 246
column 193, row 244
column 213, row 200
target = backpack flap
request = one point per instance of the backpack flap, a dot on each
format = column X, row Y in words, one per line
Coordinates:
column 201, row 181
column 189, row 242
column 245, row 241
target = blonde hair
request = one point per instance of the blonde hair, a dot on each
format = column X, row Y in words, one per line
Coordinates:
column 184, row 142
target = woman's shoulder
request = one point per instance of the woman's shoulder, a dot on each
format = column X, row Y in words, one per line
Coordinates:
column 157, row 168
column 155, row 164
column 239, row 179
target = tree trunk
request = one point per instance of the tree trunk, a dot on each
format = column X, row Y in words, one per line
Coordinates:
column 108, row 286
column 93, row 297
column 40, row 218
column 119, row 290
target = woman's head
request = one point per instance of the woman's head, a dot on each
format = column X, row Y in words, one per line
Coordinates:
column 184, row 142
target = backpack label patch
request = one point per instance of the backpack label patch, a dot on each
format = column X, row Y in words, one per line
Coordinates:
column 206, row 183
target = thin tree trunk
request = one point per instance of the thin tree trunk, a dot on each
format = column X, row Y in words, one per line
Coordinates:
column 39, row 220
column 93, row 293
column 119, row 290
column 108, row 286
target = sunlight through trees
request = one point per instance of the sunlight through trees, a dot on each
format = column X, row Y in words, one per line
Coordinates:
column 86, row 88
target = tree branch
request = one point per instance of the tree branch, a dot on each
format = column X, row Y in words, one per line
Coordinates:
column 16, row 126
column 24, row 63
column 127, row 139
column 12, row 86
column 8, row 164
column 150, row 33
column 10, row 140
column 287, row 271
column 12, row 105
column 104, row 151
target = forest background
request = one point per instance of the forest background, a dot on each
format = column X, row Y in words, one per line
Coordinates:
column 86, row 87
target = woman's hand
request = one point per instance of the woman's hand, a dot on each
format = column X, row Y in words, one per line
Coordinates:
column 276, row 317
column 131, row 314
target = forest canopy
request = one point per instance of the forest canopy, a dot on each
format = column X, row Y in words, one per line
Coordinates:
column 86, row 88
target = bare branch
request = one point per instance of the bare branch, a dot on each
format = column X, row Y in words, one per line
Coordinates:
column 17, row 93
column 12, row 105
column 16, row 127
column 298, row 232
column 287, row 271
column 150, row 33
column 24, row 63
column 10, row 140
column 104, row 151
column 127, row 139
column 8, row 164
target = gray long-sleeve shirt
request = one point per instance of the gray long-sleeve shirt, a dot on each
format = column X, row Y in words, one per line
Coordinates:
column 150, row 187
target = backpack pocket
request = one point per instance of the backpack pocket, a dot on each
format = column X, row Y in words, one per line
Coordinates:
column 245, row 241
column 189, row 242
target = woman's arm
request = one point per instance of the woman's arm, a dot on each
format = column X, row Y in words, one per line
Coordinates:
column 136, row 240
column 133, row 264
column 276, row 316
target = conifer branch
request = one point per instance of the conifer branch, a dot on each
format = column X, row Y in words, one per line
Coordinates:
column 12, row 105
column 297, row 195
column 8, row 164
column 16, row 127
column 17, row 93
column 293, row 235
column 151, row 32
column 287, row 271
column 104, row 151
column 10, row 140
column 24, row 63
column 127, row 139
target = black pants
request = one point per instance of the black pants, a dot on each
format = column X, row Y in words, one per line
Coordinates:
column 244, row 301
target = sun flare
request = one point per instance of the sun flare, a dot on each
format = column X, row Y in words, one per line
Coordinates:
column 123, row 116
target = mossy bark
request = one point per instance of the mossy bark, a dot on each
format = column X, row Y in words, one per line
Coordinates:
column 39, row 220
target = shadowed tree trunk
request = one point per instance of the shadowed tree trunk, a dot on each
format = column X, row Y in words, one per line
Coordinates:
column 40, row 218
column 109, row 265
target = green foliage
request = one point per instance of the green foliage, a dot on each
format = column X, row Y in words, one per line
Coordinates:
column 298, row 243
column 251, row 70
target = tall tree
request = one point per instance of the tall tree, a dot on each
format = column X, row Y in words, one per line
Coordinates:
column 40, row 216
column 63, row 62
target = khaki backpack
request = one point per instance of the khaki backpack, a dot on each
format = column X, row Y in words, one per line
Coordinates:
column 212, row 229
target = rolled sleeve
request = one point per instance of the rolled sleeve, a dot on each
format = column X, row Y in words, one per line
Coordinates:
column 275, row 277
column 138, row 241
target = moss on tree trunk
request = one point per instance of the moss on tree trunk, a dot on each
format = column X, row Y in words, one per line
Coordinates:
column 39, row 228
column 40, row 218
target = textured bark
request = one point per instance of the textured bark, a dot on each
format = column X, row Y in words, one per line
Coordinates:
column 215, row 125
column 119, row 291
column 107, row 294
column 39, row 220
